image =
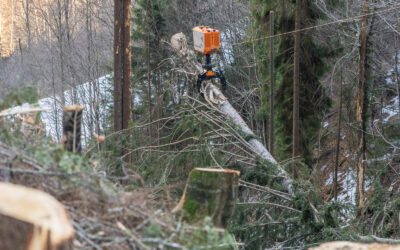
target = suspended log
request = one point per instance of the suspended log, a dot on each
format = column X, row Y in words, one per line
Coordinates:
column 214, row 97
column 210, row 192
column 72, row 123
column 344, row 245
column 31, row 219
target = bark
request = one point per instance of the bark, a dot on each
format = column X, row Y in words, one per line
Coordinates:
column 72, row 124
column 396, row 69
column 296, row 90
column 335, row 176
column 149, row 82
column 362, row 107
column 32, row 219
column 122, row 65
column 210, row 192
column 272, row 85
column 127, row 89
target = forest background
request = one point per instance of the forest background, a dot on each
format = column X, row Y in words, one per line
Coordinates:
column 345, row 161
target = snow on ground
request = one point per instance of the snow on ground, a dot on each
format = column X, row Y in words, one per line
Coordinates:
column 391, row 110
column 94, row 96
column 348, row 182
column 329, row 181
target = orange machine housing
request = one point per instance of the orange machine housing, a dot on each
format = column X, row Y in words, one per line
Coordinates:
column 206, row 40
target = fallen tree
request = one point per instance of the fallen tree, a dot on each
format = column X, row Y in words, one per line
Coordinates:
column 216, row 99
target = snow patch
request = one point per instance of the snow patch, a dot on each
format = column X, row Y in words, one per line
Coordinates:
column 95, row 97
column 391, row 110
column 329, row 181
column 349, row 186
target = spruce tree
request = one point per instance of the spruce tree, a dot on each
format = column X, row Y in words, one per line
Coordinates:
column 313, row 101
column 149, row 30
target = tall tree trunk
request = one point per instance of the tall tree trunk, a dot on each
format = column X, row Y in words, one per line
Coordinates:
column 26, row 7
column 335, row 176
column 149, row 76
column 122, row 65
column 126, row 62
column 158, row 85
column 362, row 107
column 272, row 85
column 396, row 69
column 296, row 89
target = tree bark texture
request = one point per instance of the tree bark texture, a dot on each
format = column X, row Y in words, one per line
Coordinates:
column 335, row 176
column 272, row 84
column 122, row 65
column 296, row 90
column 72, row 125
column 31, row 219
column 362, row 103
column 210, row 192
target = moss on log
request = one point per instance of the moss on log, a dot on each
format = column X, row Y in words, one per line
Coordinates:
column 31, row 219
column 210, row 192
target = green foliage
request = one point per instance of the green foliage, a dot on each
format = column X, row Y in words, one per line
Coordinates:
column 313, row 100
column 288, row 228
column 202, row 236
column 19, row 96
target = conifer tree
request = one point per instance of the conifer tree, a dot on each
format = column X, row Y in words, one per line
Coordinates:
column 148, row 31
column 313, row 100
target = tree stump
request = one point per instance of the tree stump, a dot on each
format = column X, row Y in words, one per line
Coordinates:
column 345, row 245
column 210, row 192
column 72, row 123
column 31, row 219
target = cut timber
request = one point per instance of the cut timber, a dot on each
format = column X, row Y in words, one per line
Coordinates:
column 31, row 219
column 344, row 245
column 72, row 123
column 210, row 192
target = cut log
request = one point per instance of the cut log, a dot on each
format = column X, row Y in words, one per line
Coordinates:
column 344, row 245
column 72, row 123
column 31, row 219
column 210, row 192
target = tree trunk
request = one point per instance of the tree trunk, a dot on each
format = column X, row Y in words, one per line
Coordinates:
column 296, row 90
column 396, row 69
column 126, row 65
column 149, row 83
column 272, row 85
column 122, row 65
column 335, row 176
column 210, row 192
column 362, row 107
column 32, row 219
